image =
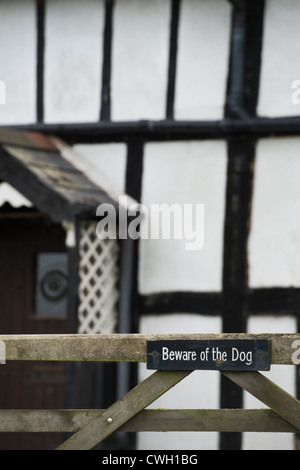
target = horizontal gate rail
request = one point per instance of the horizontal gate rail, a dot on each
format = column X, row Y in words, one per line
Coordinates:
column 122, row 410
column 269, row 393
column 128, row 414
column 162, row 420
column 122, row 347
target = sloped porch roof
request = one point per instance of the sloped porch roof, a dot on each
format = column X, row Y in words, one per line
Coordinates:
column 34, row 165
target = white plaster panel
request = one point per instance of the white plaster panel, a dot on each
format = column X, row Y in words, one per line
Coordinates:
column 203, row 58
column 73, row 60
column 199, row 390
column 184, row 173
column 18, row 61
column 108, row 160
column 140, row 59
column 281, row 46
column 274, row 241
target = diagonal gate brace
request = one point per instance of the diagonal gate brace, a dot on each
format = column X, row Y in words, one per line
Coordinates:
column 280, row 401
column 122, row 410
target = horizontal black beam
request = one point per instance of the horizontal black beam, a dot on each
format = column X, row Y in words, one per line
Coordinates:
column 208, row 303
column 167, row 130
column 274, row 300
column 264, row 301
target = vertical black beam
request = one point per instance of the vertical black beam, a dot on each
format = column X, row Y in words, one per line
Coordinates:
column 245, row 58
column 235, row 264
column 172, row 58
column 237, row 220
column 242, row 93
column 133, row 187
column 253, row 54
column 106, row 65
column 234, row 106
column 40, row 21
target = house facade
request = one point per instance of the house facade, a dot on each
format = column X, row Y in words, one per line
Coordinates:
column 187, row 102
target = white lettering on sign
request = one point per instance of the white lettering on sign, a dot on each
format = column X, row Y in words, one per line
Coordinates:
column 212, row 355
column 178, row 355
column 241, row 356
column 219, row 355
column 205, row 355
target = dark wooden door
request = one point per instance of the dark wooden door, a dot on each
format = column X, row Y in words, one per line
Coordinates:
column 23, row 384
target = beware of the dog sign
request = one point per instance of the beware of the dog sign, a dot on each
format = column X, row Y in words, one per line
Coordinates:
column 208, row 355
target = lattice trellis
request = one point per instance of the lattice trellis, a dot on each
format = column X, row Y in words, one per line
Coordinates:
column 98, row 284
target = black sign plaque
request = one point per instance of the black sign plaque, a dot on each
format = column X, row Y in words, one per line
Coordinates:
column 224, row 354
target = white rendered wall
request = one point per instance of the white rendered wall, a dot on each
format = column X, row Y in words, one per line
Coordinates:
column 203, row 58
column 18, row 61
column 73, row 60
column 280, row 54
column 274, row 243
column 105, row 164
column 184, row 173
column 140, row 59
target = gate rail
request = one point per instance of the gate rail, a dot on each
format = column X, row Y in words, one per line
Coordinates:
column 90, row 427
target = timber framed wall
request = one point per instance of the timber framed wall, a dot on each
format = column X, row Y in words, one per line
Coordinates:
column 240, row 127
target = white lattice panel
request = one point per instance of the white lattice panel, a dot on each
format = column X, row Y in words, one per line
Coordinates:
column 98, row 290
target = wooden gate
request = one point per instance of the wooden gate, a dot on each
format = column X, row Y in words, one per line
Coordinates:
column 90, row 427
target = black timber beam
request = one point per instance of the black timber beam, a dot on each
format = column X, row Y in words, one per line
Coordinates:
column 167, row 130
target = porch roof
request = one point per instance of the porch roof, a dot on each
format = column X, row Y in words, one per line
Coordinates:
column 33, row 164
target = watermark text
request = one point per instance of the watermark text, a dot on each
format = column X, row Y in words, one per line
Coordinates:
column 296, row 353
column 158, row 221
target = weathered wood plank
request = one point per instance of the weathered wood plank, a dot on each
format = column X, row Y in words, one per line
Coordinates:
column 221, row 420
column 284, row 404
column 122, row 410
column 33, row 140
column 54, row 169
column 122, row 347
column 40, row 194
column 38, row 157
column 164, row 420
